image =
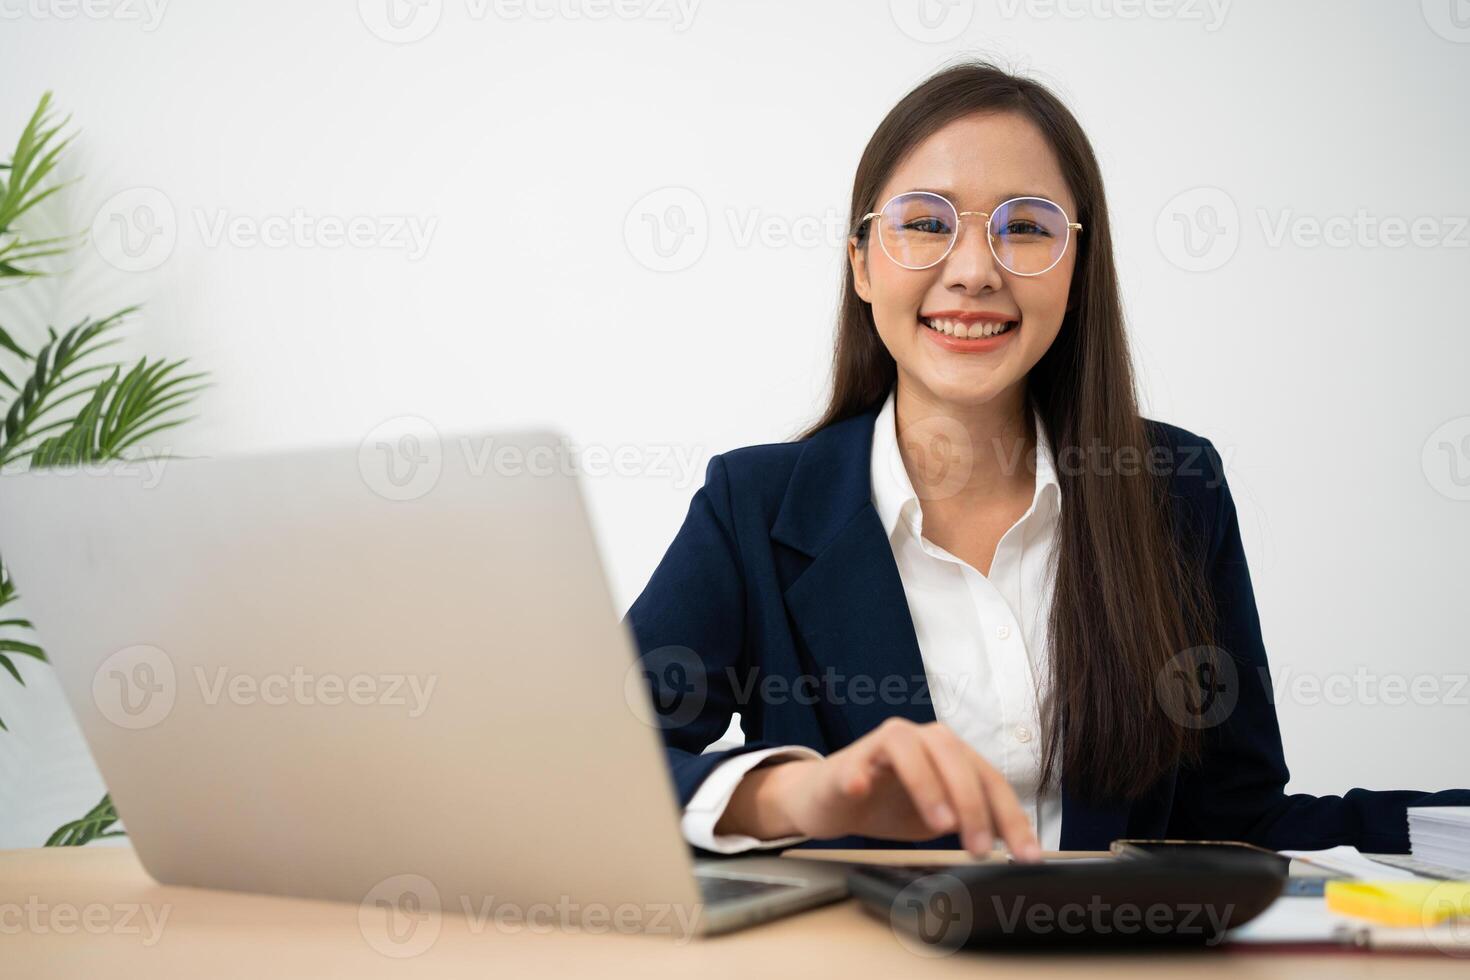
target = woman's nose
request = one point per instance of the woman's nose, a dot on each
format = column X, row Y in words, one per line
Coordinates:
column 971, row 263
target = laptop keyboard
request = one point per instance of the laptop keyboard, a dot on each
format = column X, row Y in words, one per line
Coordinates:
column 729, row 888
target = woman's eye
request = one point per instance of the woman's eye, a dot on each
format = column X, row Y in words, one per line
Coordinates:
column 931, row 225
column 1025, row 228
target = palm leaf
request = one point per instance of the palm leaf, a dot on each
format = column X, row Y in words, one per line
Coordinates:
column 21, row 188
column 9, row 646
column 53, row 370
column 94, row 825
column 121, row 412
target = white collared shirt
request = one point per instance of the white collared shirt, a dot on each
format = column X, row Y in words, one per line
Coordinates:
column 984, row 642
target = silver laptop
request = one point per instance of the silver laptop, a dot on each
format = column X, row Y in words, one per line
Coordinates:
column 389, row 674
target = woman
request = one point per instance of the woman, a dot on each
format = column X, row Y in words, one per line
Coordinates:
column 982, row 600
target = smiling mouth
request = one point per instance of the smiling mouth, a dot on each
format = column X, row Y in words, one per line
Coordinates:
column 975, row 330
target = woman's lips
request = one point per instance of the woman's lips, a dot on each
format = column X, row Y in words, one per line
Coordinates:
column 968, row 345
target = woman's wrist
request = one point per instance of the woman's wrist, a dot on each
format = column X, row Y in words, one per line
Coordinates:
column 758, row 807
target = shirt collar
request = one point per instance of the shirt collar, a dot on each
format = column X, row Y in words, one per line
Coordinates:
column 893, row 492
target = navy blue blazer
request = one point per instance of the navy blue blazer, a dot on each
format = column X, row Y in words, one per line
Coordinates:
column 781, row 582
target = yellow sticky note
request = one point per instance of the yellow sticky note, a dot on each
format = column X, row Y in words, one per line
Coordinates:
column 1400, row 903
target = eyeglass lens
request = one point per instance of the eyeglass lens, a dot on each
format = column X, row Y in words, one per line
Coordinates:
column 1028, row 234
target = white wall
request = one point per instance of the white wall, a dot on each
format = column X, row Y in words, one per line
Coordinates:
column 524, row 150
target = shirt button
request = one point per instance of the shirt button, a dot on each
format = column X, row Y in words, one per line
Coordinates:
column 1023, row 734
column 1003, row 632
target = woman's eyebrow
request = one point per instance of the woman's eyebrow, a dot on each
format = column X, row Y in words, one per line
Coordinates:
column 945, row 192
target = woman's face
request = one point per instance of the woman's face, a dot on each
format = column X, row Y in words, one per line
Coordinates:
column 977, row 162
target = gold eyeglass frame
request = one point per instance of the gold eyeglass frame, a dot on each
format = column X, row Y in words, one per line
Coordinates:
column 959, row 229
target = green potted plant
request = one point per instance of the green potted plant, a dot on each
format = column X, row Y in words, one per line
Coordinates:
column 62, row 402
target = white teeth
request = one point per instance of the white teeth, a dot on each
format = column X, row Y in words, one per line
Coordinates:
column 955, row 328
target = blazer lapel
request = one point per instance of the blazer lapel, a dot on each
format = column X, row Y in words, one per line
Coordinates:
column 848, row 602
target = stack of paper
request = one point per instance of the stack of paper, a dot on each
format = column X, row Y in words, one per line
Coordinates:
column 1441, row 835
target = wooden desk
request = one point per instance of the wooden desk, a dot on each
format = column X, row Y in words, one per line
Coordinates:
column 65, row 912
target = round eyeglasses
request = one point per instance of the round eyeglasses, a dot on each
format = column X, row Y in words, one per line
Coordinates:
column 1027, row 235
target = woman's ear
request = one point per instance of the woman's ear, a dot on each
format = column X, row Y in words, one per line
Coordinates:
column 857, row 256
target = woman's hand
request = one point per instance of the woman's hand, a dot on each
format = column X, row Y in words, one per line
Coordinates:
column 901, row 781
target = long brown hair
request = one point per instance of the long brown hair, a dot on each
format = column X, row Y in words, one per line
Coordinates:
column 1127, row 600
